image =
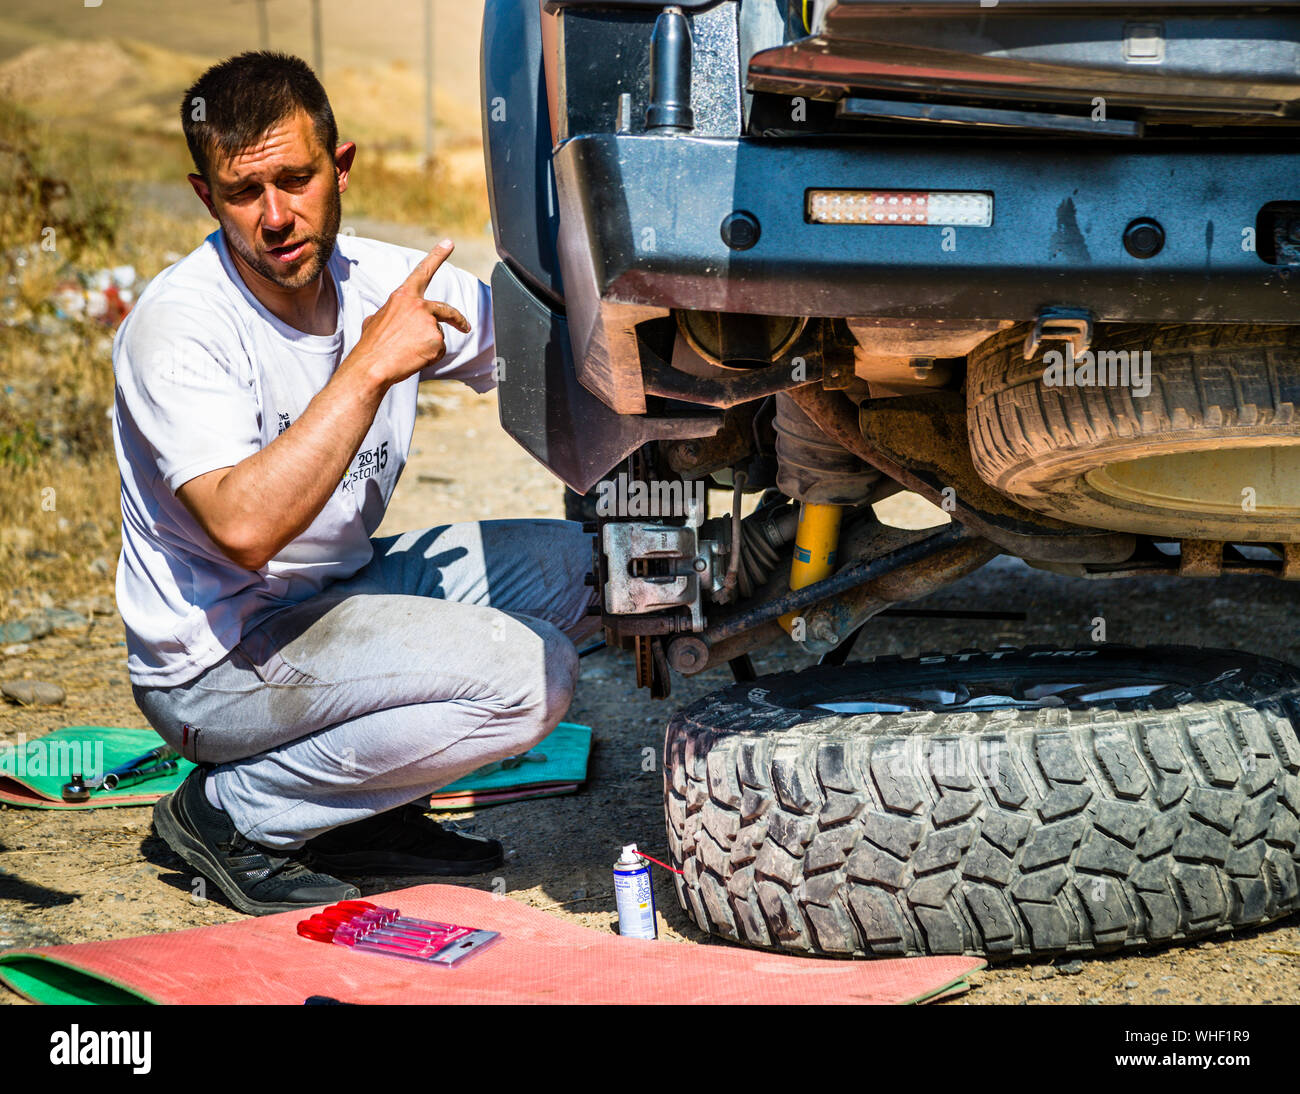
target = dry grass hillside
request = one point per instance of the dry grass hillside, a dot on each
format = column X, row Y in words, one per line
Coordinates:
column 356, row 36
column 122, row 94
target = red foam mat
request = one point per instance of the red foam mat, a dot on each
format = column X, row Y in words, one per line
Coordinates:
column 539, row 959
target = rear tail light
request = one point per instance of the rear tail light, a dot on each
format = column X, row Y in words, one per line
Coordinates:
column 926, row 208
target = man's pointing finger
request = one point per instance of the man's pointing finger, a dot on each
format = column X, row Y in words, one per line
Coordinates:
column 418, row 279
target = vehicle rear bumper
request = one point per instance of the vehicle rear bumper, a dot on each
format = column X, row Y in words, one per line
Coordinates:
column 645, row 214
column 641, row 216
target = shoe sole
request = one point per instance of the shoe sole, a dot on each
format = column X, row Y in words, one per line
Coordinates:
column 173, row 832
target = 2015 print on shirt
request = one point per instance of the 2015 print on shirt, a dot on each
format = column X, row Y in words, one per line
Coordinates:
column 367, row 463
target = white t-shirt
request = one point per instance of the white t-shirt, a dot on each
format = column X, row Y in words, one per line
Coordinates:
column 206, row 377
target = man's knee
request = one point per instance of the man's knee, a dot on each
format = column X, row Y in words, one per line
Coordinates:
column 544, row 684
column 557, row 674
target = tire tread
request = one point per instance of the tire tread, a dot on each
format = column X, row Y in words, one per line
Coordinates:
column 1005, row 833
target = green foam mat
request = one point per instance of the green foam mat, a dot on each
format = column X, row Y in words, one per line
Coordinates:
column 566, row 748
column 32, row 773
column 44, row 980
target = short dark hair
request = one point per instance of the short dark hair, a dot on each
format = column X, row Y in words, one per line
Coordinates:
column 238, row 101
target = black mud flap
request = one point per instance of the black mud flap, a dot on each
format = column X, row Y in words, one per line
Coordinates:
column 544, row 407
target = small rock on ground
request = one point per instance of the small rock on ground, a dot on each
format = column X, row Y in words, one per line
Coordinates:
column 33, row 693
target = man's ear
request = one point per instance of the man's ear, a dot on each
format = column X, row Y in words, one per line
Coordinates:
column 343, row 157
column 205, row 193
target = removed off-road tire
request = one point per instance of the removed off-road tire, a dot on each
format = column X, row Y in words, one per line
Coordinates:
column 1155, row 797
column 1211, row 452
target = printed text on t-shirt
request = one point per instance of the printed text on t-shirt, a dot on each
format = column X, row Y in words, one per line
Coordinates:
column 368, row 464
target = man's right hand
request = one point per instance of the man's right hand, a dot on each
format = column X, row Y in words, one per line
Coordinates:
column 404, row 336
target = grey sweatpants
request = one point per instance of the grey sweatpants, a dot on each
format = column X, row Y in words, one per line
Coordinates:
column 453, row 647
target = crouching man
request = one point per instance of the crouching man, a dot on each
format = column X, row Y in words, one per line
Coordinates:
column 323, row 680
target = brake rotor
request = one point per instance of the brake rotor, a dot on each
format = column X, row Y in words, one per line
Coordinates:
column 652, row 666
column 645, row 662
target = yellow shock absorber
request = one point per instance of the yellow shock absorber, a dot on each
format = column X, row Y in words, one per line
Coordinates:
column 815, row 542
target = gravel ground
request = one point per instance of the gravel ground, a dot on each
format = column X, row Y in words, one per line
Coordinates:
column 99, row 875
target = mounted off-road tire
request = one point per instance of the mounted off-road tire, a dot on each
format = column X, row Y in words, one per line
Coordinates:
column 1004, row 804
column 1210, row 451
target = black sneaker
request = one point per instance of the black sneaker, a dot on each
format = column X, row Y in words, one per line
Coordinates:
column 402, row 843
column 258, row 880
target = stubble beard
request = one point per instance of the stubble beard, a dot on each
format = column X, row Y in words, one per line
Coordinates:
column 322, row 247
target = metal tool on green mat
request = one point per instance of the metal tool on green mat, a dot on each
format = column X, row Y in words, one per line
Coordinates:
column 512, row 762
column 149, row 765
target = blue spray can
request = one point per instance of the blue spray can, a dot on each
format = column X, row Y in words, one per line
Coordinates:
column 634, row 895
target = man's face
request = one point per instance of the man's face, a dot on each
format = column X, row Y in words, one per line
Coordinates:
column 278, row 201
